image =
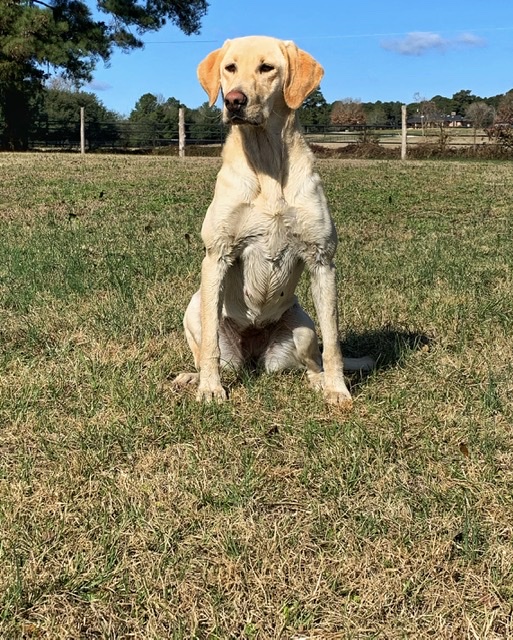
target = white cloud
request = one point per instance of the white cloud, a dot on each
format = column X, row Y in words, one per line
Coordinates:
column 471, row 40
column 418, row 43
column 97, row 85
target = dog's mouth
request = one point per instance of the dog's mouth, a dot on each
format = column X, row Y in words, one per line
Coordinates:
column 238, row 119
column 242, row 117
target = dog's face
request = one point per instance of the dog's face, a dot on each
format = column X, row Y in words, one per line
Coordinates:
column 258, row 75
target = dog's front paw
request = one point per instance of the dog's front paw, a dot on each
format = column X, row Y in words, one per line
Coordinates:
column 341, row 399
column 211, row 393
column 338, row 395
column 333, row 394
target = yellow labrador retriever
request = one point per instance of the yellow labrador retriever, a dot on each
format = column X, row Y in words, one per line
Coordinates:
column 268, row 219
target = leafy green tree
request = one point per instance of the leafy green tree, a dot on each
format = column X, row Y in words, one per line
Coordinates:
column 444, row 106
column 383, row 113
column 204, row 123
column 145, row 109
column 37, row 37
column 314, row 110
column 154, row 120
column 59, row 120
column 494, row 101
column 375, row 114
column 170, row 114
column 462, row 100
column 393, row 112
column 144, row 121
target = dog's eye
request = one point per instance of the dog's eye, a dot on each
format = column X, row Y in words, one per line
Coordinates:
column 231, row 68
column 265, row 68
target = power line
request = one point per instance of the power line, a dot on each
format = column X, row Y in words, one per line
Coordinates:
column 346, row 36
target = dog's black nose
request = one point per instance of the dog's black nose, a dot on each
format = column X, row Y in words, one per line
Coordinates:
column 234, row 101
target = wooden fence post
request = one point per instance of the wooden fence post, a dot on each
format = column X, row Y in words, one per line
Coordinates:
column 82, row 130
column 181, row 132
column 403, row 132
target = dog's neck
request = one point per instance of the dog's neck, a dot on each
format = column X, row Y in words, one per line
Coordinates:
column 271, row 150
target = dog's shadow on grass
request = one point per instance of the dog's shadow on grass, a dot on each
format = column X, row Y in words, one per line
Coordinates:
column 387, row 346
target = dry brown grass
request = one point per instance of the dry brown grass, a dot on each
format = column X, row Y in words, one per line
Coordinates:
column 129, row 511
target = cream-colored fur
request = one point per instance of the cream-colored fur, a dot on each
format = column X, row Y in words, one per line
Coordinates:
column 267, row 221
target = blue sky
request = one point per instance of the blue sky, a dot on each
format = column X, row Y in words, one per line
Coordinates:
column 370, row 50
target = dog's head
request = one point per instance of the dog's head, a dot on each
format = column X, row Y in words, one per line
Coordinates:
column 258, row 75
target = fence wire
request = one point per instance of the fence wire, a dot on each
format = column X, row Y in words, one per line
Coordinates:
column 147, row 135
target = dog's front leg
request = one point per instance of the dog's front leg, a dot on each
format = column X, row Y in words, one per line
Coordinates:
column 213, row 271
column 324, row 293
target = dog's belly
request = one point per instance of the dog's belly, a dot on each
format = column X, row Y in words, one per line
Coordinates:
column 260, row 285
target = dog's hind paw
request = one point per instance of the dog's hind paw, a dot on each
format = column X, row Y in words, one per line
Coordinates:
column 205, row 393
column 316, row 380
column 186, row 379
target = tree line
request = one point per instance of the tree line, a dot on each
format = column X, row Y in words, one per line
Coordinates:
column 464, row 105
column 51, row 116
column 49, row 48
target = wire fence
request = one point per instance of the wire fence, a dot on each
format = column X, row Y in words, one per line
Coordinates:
column 145, row 136
column 122, row 135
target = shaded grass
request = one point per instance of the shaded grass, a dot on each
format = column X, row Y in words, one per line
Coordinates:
column 127, row 510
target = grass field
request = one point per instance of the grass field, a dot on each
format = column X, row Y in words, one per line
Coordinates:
column 127, row 510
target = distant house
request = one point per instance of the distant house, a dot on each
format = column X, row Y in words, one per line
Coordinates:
column 457, row 121
column 437, row 120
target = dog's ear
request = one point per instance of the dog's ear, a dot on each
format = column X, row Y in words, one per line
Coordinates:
column 209, row 73
column 303, row 75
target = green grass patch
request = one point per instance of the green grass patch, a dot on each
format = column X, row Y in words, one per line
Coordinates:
column 127, row 510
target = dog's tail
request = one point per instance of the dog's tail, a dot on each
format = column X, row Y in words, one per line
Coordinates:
column 362, row 365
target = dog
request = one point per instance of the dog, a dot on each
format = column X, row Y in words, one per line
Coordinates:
column 268, row 220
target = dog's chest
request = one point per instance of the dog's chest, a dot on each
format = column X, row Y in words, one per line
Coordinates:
column 268, row 266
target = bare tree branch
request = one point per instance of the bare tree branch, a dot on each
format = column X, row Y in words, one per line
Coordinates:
column 48, row 6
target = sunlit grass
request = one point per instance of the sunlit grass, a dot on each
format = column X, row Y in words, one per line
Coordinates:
column 128, row 510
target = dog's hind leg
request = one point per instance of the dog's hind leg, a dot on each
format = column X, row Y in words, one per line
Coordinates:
column 294, row 345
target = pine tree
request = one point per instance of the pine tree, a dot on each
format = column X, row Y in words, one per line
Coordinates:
column 314, row 110
column 37, row 36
